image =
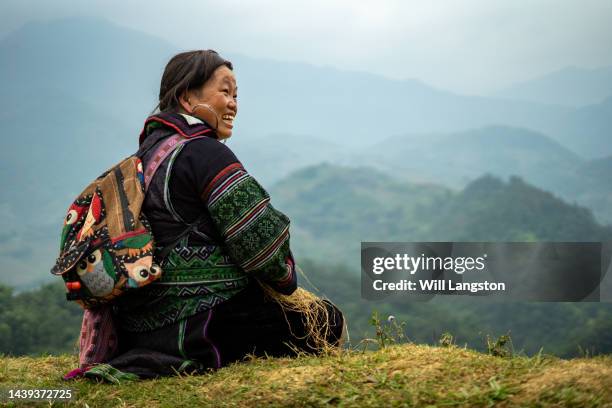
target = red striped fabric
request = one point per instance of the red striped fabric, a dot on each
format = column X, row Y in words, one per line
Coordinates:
column 98, row 340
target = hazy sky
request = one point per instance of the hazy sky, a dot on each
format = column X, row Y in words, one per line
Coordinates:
column 469, row 46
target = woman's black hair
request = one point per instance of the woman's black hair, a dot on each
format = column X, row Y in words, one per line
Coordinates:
column 187, row 71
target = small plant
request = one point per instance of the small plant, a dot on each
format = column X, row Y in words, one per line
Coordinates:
column 387, row 333
column 585, row 352
column 497, row 392
column 501, row 347
column 446, row 340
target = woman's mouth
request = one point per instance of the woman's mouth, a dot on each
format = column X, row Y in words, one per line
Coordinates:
column 228, row 119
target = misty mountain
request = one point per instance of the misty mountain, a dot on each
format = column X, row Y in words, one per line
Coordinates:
column 355, row 108
column 598, row 169
column 451, row 159
column 76, row 92
column 114, row 69
column 274, row 156
column 457, row 158
column 334, row 208
column 493, row 210
column 51, row 152
column 118, row 70
column 586, row 129
column 570, row 86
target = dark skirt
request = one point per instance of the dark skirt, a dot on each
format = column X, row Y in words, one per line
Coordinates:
column 245, row 324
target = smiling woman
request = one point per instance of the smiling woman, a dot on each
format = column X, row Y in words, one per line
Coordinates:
column 218, row 99
column 214, row 101
column 228, row 286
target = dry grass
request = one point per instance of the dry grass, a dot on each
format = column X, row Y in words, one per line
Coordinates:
column 406, row 375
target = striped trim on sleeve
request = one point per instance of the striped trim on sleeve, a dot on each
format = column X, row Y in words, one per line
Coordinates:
column 255, row 233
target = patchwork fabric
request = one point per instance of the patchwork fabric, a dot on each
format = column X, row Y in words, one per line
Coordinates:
column 106, row 247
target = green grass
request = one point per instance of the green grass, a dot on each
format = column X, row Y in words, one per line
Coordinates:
column 403, row 375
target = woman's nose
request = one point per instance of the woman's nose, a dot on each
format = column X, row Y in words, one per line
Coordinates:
column 233, row 104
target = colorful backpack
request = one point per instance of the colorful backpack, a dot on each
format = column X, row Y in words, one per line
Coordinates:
column 107, row 246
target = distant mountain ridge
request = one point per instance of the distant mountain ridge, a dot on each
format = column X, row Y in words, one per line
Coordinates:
column 114, row 68
column 119, row 69
column 334, row 208
column 457, row 158
column 570, row 86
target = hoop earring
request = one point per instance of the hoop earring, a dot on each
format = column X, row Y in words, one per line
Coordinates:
column 207, row 106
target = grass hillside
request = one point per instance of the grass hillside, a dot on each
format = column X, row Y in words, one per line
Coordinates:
column 404, row 375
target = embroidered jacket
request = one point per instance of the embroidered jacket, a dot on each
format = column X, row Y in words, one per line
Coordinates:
column 239, row 234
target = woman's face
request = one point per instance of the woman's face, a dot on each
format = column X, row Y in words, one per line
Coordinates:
column 216, row 102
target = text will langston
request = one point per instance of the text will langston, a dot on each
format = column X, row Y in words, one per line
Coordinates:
column 438, row 285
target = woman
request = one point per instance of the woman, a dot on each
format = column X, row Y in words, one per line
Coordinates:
column 224, row 250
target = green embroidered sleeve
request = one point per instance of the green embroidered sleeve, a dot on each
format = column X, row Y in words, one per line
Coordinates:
column 256, row 235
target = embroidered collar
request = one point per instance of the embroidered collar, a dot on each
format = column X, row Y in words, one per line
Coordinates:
column 185, row 125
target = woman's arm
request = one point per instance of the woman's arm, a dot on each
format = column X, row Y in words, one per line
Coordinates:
column 255, row 234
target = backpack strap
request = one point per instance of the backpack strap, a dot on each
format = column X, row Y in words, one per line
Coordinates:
column 165, row 149
column 170, row 146
column 191, row 227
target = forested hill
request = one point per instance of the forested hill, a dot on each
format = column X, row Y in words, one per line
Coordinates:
column 334, row 208
column 490, row 209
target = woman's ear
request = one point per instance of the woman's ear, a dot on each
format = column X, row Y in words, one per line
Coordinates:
column 184, row 101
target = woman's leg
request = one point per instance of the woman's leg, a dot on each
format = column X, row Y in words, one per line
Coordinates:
column 248, row 324
column 245, row 324
column 164, row 351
